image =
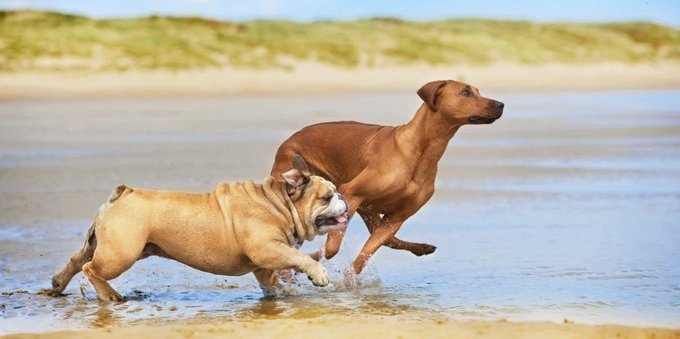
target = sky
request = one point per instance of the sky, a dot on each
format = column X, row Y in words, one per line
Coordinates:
column 661, row 11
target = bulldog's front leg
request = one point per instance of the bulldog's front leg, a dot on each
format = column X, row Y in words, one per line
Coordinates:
column 280, row 256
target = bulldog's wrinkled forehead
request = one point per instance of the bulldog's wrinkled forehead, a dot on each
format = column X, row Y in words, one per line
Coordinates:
column 321, row 181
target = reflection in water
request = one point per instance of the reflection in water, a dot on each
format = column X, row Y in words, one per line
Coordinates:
column 266, row 307
column 105, row 316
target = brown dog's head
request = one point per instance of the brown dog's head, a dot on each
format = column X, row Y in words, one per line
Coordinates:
column 315, row 198
column 460, row 103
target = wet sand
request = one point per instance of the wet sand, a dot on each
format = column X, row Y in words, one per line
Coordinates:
column 567, row 207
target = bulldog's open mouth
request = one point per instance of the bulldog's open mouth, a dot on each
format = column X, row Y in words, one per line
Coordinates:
column 329, row 222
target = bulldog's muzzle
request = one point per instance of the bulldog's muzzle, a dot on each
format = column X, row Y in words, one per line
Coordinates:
column 335, row 216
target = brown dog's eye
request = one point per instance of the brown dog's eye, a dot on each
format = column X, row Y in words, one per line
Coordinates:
column 328, row 198
column 466, row 93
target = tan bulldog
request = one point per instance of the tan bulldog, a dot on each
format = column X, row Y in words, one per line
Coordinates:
column 236, row 229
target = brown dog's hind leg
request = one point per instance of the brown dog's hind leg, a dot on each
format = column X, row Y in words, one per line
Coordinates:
column 418, row 249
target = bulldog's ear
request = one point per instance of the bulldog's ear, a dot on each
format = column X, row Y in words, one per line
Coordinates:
column 293, row 177
column 300, row 165
column 429, row 93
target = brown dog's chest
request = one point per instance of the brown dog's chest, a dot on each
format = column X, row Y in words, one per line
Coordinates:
column 401, row 199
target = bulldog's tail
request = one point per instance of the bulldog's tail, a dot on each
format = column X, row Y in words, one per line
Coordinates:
column 117, row 192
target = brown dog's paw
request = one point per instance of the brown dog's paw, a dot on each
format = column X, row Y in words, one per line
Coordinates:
column 424, row 249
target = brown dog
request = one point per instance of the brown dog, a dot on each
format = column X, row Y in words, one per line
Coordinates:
column 387, row 173
column 235, row 229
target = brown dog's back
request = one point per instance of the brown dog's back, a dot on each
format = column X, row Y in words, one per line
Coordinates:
column 326, row 156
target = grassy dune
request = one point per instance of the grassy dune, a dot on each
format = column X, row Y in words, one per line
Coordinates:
column 49, row 41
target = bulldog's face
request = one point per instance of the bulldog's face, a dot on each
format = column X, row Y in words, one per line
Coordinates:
column 316, row 199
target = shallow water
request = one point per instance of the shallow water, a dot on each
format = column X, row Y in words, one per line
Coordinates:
column 567, row 207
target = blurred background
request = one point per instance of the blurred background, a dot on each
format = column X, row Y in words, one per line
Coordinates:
column 226, row 47
column 568, row 207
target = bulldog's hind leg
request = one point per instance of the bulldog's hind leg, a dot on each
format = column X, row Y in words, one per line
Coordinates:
column 75, row 264
column 117, row 250
column 269, row 281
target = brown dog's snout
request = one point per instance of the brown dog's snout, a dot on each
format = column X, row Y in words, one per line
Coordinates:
column 493, row 111
column 497, row 108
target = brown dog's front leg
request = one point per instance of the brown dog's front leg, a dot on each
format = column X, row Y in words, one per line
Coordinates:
column 373, row 221
column 333, row 242
column 378, row 237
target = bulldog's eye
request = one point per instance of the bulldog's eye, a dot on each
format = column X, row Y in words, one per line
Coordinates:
column 328, row 198
column 466, row 93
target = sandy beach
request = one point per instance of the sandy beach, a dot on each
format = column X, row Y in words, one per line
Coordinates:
column 307, row 77
column 368, row 327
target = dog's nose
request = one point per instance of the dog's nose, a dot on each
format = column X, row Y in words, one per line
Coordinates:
column 499, row 104
column 341, row 198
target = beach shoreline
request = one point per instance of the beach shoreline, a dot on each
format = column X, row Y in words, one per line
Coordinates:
column 312, row 78
column 334, row 326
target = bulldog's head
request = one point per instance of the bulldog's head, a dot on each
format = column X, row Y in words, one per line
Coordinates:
column 315, row 198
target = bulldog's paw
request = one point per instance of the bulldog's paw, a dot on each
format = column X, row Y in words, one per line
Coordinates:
column 287, row 276
column 424, row 249
column 112, row 296
column 318, row 275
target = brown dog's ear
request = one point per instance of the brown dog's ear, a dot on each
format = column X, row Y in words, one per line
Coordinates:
column 301, row 165
column 429, row 93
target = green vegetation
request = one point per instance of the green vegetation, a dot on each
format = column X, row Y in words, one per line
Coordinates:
column 32, row 40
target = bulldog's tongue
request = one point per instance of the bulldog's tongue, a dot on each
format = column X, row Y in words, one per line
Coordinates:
column 342, row 223
column 342, row 219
